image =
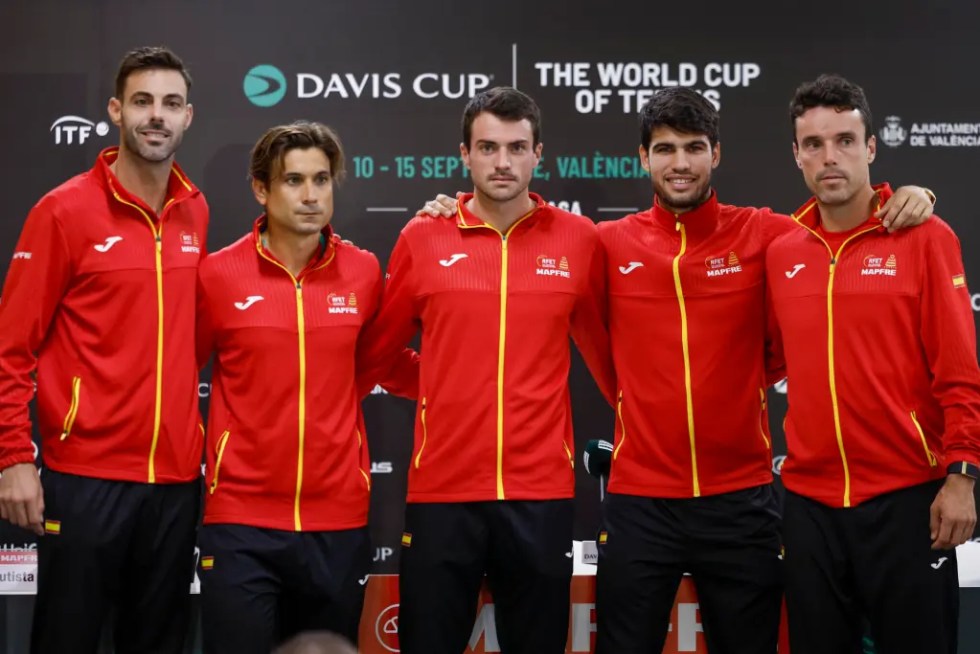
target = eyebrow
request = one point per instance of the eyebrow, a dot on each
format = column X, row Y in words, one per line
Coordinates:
column 147, row 94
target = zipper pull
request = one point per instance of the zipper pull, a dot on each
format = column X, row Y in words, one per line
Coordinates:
column 159, row 243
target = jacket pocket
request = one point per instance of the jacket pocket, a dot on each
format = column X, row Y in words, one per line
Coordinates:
column 76, row 390
column 222, row 444
column 762, row 419
column 622, row 424
column 930, row 457
column 360, row 448
column 425, row 435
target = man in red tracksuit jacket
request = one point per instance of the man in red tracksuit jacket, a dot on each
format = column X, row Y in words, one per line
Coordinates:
column 284, row 547
column 99, row 300
column 883, row 430
column 496, row 292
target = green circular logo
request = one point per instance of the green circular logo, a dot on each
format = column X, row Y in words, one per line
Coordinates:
column 264, row 85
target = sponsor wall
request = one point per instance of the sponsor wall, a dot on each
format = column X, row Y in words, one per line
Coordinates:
column 393, row 78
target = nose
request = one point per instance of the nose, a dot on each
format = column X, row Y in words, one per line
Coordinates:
column 681, row 162
column 501, row 160
column 309, row 192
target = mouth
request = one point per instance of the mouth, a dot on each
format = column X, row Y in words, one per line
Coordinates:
column 680, row 182
column 157, row 135
column 831, row 177
column 502, row 178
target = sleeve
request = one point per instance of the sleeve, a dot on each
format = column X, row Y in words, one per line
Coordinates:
column 37, row 279
column 590, row 329
column 950, row 343
column 380, row 348
column 204, row 330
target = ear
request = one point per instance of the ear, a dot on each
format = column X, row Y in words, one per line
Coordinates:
column 260, row 191
column 716, row 155
column 189, row 116
column 872, row 148
column 537, row 153
column 644, row 158
column 796, row 155
column 115, row 111
column 464, row 153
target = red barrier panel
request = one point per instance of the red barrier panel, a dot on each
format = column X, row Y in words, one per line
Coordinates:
column 379, row 622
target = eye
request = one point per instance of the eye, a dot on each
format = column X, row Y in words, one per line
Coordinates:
column 175, row 104
column 518, row 148
column 323, row 180
column 486, row 148
column 847, row 140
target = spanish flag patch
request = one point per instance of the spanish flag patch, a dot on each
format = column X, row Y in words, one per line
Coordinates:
column 959, row 281
column 603, row 537
column 52, row 527
column 207, row 562
column 406, row 539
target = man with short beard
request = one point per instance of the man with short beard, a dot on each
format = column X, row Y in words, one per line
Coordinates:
column 496, row 292
column 99, row 301
column 883, row 427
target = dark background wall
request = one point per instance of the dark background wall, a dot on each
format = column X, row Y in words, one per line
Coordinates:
column 421, row 60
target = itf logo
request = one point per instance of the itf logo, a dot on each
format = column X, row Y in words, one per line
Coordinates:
column 75, row 130
column 264, row 85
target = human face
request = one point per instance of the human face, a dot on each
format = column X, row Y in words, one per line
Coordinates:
column 833, row 153
column 502, row 157
column 680, row 167
column 153, row 114
column 298, row 200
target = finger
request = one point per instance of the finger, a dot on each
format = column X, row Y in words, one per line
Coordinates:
column 19, row 515
column 3, row 511
column 945, row 539
column 934, row 513
column 459, row 194
column 34, row 513
column 891, row 212
column 442, row 198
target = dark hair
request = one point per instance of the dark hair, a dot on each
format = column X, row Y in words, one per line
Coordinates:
column 270, row 151
column 147, row 58
column 678, row 108
column 506, row 103
column 830, row 91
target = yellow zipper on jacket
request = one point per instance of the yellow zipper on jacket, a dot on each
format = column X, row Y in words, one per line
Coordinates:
column 301, row 330
column 76, row 389
column 222, row 443
column 501, row 343
column 158, row 395
column 834, row 258
column 686, row 349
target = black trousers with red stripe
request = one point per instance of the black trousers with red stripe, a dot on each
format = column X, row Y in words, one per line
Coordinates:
column 523, row 548
column 119, row 546
column 869, row 563
column 260, row 587
column 730, row 545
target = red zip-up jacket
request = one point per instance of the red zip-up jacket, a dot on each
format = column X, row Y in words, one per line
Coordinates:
column 99, row 300
column 688, row 329
column 496, row 309
column 286, row 447
column 880, row 350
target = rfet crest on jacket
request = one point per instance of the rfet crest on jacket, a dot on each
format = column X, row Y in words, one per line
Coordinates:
column 101, row 292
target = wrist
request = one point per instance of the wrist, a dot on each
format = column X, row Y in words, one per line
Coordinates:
column 963, row 469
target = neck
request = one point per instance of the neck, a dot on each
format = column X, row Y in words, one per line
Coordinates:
column 295, row 251
column 146, row 180
column 500, row 215
column 847, row 216
column 679, row 211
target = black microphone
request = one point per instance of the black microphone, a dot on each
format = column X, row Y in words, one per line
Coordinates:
column 598, row 460
column 598, row 457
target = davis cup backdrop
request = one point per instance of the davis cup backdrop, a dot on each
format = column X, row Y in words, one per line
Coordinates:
column 393, row 78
